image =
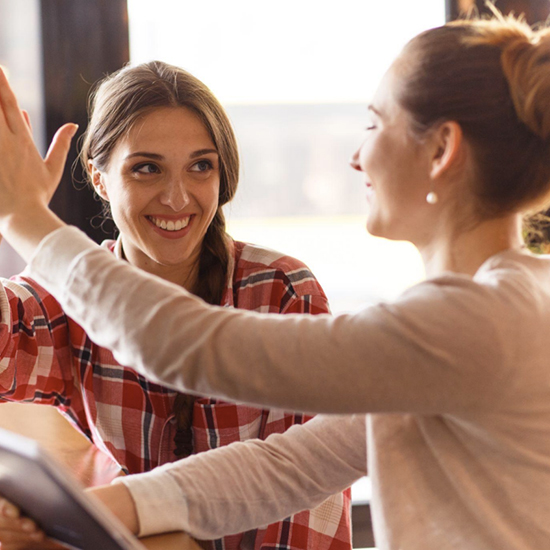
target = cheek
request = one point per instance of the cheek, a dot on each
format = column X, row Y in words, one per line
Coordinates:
column 209, row 197
column 365, row 156
column 127, row 203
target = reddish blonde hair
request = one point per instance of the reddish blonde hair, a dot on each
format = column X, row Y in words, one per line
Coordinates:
column 493, row 78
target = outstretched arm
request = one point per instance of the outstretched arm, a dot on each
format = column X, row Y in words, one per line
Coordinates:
column 247, row 485
column 402, row 356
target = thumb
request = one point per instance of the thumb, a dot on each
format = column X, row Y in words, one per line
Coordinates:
column 59, row 149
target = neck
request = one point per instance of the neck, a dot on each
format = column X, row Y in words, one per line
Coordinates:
column 464, row 252
column 181, row 274
column 184, row 276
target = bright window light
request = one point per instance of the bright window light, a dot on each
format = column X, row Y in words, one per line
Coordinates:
column 295, row 77
column 290, row 51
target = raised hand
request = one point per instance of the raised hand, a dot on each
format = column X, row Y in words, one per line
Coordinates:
column 27, row 182
column 26, row 178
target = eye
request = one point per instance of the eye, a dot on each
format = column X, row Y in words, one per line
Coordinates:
column 146, row 168
column 202, row 166
column 371, row 123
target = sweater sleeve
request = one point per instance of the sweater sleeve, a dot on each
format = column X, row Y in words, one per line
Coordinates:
column 250, row 484
column 327, row 526
column 403, row 356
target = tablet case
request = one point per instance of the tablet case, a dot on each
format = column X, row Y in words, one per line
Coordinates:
column 55, row 500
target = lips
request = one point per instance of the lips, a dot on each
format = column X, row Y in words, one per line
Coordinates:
column 370, row 190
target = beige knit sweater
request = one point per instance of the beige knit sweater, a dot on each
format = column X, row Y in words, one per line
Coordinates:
column 455, row 377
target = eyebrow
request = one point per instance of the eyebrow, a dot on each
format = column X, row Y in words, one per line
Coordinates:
column 156, row 156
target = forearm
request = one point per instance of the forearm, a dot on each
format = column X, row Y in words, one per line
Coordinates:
column 119, row 501
column 248, row 485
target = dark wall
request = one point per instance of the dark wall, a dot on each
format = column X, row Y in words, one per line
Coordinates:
column 82, row 41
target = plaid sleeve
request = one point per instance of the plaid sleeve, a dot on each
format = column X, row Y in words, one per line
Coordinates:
column 35, row 357
column 327, row 527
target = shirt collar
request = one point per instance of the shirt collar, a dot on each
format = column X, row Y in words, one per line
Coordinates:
column 227, row 298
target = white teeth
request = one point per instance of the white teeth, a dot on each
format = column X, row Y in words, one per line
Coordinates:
column 170, row 225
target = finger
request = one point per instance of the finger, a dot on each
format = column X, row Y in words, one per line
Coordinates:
column 19, row 534
column 3, row 120
column 59, row 149
column 8, row 103
column 9, row 510
column 20, row 539
column 27, row 119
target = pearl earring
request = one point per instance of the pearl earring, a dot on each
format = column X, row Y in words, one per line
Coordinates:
column 431, row 197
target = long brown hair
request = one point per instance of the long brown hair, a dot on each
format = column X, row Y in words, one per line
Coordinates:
column 115, row 105
column 493, row 78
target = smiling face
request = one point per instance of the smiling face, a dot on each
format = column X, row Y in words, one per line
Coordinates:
column 162, row 183
column 396, row 168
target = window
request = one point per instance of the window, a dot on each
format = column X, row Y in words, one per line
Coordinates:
column 20, row 55
column 295, row 79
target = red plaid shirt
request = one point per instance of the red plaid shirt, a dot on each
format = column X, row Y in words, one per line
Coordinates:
column 47, row 358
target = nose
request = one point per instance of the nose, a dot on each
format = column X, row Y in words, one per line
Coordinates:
column 175, row 194
column 354, row 161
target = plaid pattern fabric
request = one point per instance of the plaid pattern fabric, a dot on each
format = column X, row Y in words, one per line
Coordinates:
column 47, row 358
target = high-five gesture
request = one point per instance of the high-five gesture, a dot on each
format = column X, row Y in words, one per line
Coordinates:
column 27, row 182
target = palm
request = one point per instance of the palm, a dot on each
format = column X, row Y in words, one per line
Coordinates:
column 26, row 180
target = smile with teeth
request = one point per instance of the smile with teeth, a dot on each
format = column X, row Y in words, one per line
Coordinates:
column 170, row 225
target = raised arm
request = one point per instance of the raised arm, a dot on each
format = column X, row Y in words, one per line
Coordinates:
column 402, row 356
column 388, row 358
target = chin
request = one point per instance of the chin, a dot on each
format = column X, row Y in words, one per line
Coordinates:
column 374, row 228
column 385, row 231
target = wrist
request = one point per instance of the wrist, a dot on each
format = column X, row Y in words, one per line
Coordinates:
column 25, row 230
column 118, row 499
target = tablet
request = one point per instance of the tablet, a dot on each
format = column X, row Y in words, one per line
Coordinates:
column 55, row 500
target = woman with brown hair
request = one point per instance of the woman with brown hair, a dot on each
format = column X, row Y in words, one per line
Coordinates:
column 447, row 387
column 160, row 151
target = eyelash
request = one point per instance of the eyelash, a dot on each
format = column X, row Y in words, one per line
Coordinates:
column 371, row 127
column 209, row 163
column 139, row 167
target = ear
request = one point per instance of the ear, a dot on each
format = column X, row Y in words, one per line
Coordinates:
column 448, row 148
column 98, row 181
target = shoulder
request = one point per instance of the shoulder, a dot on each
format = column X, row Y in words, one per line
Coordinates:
column 27, row 297
column 24, row 287
column 258, row 263
column 109, row 244
column 262, row 270
column 503, row 306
